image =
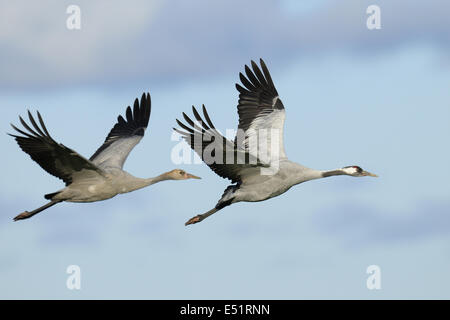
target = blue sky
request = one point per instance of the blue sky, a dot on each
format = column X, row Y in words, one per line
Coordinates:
column 378, row 99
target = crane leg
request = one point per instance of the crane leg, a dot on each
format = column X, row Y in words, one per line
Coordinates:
column 201, row 217
column 27, row 215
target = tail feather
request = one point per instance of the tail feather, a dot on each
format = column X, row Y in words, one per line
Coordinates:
column 227, row 197
column 50, row 196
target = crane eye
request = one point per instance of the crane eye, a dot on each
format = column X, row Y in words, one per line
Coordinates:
column 182, row 172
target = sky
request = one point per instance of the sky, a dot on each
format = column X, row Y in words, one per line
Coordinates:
column 353, row 96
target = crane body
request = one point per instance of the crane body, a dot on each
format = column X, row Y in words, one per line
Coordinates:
column 260, row 111
column 102, row 176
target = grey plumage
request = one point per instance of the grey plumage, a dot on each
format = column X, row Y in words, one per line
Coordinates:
column 200, row 136
column 101, row 177
column 44, row 150
column 260, row 109
column 134, row 126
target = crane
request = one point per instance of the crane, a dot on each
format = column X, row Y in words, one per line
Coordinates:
column 259, row 168
column 102, row 176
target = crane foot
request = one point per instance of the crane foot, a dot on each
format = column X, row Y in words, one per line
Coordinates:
column 194, row 220
column 22, row 216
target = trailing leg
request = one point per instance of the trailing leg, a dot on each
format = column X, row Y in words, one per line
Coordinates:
column 228, row 198
column 201, row 217
column 27, row 215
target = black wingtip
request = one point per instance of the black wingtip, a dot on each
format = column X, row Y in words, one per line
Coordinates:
column 184, row 134
column 205, row 113
column 242, row 77
column 41, row 121
column 261, row 62
column 144, row 100
column 248, row 70
column 207, row 118
column 240, row 88
column 194, row 110
column 148, row 97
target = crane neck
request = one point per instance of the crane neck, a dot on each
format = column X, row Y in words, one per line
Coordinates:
column 139, row 183
column 330, row 173
column 162, row 177
column 307, row 174
column 301, row 173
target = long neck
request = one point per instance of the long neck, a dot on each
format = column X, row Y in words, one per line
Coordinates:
column 139, row 183
column 336, row 172
column 162, row 177
column 306, row 174
column 301, row 173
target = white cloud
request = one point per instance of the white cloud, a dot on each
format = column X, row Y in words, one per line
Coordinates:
column 121, row 42
column 37, row 47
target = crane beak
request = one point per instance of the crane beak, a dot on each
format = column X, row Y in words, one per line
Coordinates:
column 368, row 174
column 191, row 176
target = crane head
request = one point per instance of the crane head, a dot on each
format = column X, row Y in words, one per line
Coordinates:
column 179, row 174
column 356, row 171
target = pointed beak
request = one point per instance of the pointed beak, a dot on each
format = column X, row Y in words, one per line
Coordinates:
column 368, row 174
column 191, row 176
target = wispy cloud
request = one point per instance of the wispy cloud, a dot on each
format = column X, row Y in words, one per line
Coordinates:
column 165, row 40
column 361, row 225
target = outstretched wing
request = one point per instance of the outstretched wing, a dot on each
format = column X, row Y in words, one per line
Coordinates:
column 55, row 158
column 220, row 154
column 261, row 114
column 125, row 135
